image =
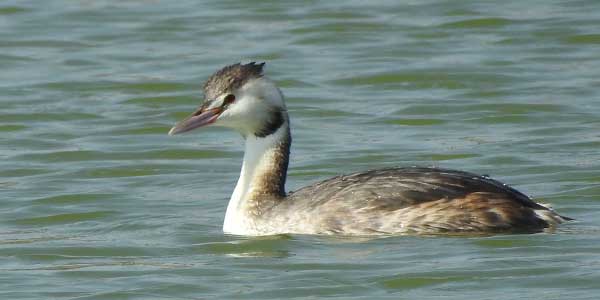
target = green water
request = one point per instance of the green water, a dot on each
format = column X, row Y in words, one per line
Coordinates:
column 97, row 202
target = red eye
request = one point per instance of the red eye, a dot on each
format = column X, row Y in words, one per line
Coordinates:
column 229, row 99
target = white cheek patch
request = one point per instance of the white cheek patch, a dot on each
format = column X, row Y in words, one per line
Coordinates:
column 216, row 103
column 253, row 107
column 244, row 114
column 266, row 90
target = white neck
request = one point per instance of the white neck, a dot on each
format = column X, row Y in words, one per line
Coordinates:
column 261, row 180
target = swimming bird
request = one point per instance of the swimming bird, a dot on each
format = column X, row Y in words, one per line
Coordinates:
column 403, row 200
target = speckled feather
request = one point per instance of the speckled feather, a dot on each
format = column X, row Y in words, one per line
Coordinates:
column 230, row 78
column 386, row 201
column 406, row 200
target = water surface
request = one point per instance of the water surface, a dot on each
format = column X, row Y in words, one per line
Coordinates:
column 97, row 202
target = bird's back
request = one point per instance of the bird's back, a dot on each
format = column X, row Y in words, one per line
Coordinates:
column 405, row 200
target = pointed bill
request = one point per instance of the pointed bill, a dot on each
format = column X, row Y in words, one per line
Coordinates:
column 200, row 118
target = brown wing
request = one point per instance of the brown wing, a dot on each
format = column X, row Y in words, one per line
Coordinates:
column 396, row 188
column 415, row 199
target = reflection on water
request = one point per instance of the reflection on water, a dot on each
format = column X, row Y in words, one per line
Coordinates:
column 99, row 203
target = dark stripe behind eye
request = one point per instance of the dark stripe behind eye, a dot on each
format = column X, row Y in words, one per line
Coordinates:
column 271, row 125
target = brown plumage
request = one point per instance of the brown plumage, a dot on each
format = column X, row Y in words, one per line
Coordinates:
column 270, row 190
column 231, row 78
column 409, row 200
column 386, row 201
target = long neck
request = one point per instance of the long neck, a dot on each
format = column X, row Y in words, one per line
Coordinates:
column 262, row 179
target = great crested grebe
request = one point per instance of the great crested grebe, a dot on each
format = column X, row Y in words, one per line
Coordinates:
column 387, row 201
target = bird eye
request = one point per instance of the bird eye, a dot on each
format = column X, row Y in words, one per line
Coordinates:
column 229, row 99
